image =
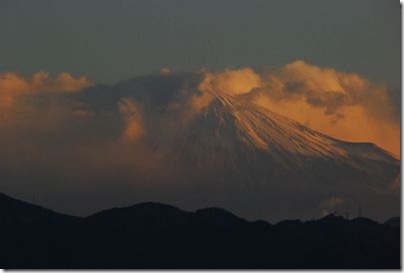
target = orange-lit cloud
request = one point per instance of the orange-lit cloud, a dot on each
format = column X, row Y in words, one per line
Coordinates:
column 165, row 71
column 343, row 105
column 13, row 86
column 237, row 82
column 41, row 82
column 132, row 115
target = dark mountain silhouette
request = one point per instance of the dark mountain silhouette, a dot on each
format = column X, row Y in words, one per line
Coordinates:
column 152, row 236
column 15, row 212
column 393, row 222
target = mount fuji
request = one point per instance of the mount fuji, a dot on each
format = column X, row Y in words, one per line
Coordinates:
column 259, row 164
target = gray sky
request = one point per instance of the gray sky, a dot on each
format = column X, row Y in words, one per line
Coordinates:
column 113, row 40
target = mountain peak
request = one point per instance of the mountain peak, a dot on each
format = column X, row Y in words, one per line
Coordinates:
column 218, row 215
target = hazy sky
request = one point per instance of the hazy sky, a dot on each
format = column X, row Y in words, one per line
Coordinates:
column 113, row 40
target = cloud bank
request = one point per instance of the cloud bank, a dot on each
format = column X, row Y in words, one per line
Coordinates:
column 68, row 137
column 14, row 87
column 343, row 105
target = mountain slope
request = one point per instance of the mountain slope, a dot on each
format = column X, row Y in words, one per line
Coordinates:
column 33, row 236
column 16, row 212
column 393, row 222
column 239, row 150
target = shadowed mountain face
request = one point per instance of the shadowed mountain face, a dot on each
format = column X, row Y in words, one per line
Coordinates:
column 235, row 154
column 153, row 235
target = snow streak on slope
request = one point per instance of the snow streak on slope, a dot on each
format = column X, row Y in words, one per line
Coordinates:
column 240, row 123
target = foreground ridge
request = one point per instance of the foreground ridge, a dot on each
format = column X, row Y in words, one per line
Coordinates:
column 154, row 235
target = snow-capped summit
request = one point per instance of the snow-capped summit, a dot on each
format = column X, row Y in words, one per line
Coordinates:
column 231, row 123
